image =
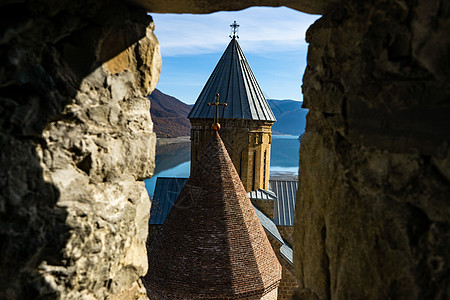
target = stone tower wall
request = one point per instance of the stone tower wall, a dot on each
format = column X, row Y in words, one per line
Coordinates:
column 248, row 143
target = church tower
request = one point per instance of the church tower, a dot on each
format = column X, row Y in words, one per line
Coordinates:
column 212, row 244
column 246, row 120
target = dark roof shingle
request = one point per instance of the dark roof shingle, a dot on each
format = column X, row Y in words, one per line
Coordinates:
column 168, row 188
column 233, row 79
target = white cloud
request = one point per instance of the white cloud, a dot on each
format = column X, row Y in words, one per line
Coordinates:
column 261, row 30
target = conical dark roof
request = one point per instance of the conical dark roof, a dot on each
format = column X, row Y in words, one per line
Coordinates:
column 212, row 245
column 234, row 81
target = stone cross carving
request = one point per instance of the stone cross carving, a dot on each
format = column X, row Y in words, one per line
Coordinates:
column 216, row 125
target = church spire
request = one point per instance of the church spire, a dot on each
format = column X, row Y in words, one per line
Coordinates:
column 212, row 244
column 246, row 121
column 234, row 80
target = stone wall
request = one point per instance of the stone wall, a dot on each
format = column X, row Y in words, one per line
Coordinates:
column 288, row 284
column 372, row 215
column 76, row 138
column 248, row 143
column 265, row 206
column 287, row 232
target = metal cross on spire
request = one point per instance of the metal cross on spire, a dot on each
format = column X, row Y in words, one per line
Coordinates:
column 216, row 125
column 234, row 30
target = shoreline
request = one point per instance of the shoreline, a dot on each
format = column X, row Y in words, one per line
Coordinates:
column 167, row 141
column 280, row 175
column 186, row 139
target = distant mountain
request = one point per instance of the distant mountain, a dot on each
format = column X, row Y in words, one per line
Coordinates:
column 169, row 115
column 291, row 117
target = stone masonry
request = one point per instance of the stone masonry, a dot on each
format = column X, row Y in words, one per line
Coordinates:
column 247, row 141
column 287, row 232
column 288, row 284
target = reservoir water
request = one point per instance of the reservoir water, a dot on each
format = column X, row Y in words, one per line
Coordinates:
column 173, row 159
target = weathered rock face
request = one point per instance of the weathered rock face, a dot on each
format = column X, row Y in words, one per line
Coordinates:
column 372, row 215
column 75, row 138
column 209, row 6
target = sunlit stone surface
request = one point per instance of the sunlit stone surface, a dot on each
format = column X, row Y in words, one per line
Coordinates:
column 76, row 138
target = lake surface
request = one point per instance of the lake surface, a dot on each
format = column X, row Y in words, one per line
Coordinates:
column 173, row 160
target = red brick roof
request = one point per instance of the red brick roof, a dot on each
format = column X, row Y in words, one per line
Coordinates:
column 212, row 245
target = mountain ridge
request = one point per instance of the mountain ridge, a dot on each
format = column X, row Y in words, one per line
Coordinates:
column 291, row 117
column 169, row 116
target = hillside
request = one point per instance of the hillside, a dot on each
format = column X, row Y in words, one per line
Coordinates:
column 169, row 115
column 291, row 117
column 170, row 120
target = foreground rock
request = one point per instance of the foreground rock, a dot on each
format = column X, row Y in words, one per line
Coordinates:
column 372, row 215
column 76, row 137
column 201, row 7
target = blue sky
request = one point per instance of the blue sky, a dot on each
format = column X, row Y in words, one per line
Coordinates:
column 273, row 41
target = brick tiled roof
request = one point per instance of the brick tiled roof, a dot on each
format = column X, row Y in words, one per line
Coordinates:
column 212, row 245
column 284, row 193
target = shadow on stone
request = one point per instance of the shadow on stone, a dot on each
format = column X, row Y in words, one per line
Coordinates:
column 48, row 53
